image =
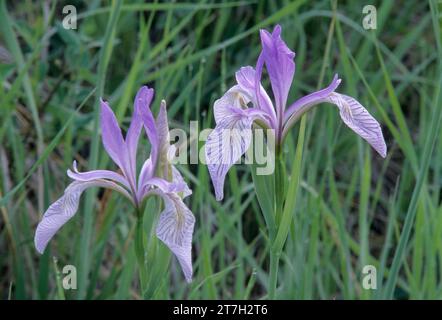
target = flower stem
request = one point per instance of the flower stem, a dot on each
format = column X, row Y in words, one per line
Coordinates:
column 273, row 278
column 279, row 202
column 139, row 250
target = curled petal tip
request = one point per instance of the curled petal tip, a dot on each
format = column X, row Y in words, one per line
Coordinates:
column 74, row 166
column 277, row 30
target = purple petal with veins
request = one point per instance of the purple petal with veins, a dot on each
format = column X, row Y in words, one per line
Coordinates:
column 175, row 229
column 176, row 222
column 62, row 210
column 357, row 118
column 225, row 145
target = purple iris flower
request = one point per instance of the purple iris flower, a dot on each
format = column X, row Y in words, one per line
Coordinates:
column 247, row 103
column 157, row 177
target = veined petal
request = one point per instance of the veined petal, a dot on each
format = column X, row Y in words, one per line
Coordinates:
column 234, row 102
column 97, row 174
column 357, row 118
column 234, row 99
column 65, row 208
column 301, row 105
column 278, row 59
column 225, row 145
column 111, row 135
column 175, row 229
column 351, row 111
column 246, row 78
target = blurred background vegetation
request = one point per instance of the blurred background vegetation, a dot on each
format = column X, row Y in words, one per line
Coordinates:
column 352, row 208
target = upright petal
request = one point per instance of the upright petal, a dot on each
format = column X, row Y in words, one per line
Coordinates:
column 163, row 142
column 144, row 97
column 225, row 145
column 357, row 118
column 142, row 106
column 278, row 59
column 65, row 208
column 175, row 229
column 111, row 135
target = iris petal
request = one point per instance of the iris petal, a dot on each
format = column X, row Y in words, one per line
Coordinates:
column 225, row 145
column 175, row 229
column 357, row 118
column 280, row 66
column 62, row 210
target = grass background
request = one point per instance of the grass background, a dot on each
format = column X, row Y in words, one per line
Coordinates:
column 352, row 207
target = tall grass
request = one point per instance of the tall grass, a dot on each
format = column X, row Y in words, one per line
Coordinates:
column 347, row 207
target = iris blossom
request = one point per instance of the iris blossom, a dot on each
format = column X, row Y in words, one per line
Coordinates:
column 247, row 103
column 157, row 177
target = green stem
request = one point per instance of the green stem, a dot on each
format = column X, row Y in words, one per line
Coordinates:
column 140, row 252
column 273, row 278
column 279, row 202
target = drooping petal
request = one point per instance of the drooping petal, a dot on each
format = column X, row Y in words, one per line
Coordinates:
column 246, row 78
column 175, row 229
column 357, row 118
column 351, row 111
column 97, row 174
column 112, row 138
column 225, row 145
column 65, row 208
column 280, row 66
